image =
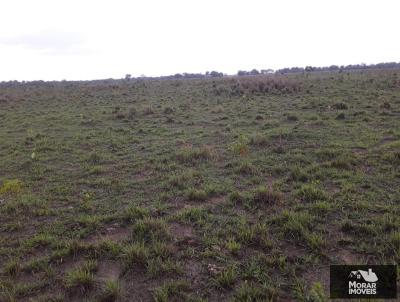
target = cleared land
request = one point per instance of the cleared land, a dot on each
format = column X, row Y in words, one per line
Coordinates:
column 228, row 189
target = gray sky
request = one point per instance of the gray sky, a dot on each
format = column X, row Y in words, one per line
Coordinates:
column 69, row 39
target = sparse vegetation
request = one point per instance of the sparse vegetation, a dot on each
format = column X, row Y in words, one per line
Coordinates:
column 81, row 279
column 266, row 196
column 226, row 278
column 245, row 187
column 110, row 292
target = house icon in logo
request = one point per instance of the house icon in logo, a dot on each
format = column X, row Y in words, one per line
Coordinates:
column 368, row 276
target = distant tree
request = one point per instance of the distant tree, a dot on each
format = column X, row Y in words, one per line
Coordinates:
column 128, row 77
column 254, row 72
column 241, row 73
column 266, row 71
column 215, row 74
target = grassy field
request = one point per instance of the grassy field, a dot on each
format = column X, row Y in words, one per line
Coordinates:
column 230, row 189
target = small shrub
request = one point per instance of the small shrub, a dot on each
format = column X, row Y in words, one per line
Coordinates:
column 133, row 213
column 296, row 225
column 385, row 105
column 263, row 85
column 241, row 146
column 150, row 229
column 119, row 115
column 236, row 197
column 90, row 265
column 110, row 248
column 292, row 118
column 158, row 266
column 131, row 112
column 343, row 162
column 197, row 195
column 171, row 291
column 43, row 239
column 309, row 193
column 192, row 215
column 340, row 106
column 12, row 186
column 226, row 278
column 135, row 255
column 233, row 246
column 168, row 110
column 12, row 268
column 148, row 111
column 340, row 116
column 111, row 291
column 93, row 158
column 245, row 234
column 265, row 196
column 314, row 240
column 298, row 174
column 314, row 293
column 182, row 179
column 246, row 168
column 80, row 280
column 258, row 140
column 326, row 154
column 321, row 207
column 394, row 242
column 392, row 157
column 193, row 155
column 348, row 226
column 317, row 293
column 250, row 293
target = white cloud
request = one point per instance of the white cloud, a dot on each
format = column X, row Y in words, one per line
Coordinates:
column 47, row 42
column 100, row 39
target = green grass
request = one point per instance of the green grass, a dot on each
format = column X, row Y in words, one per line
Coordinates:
column 266, row 196
column 150, row 229
column 135, row 255
column 268, row 179
column 12, row 186
column 81, row 279
column 12, row 267
column 233, row 246
column 170, row 291
column 226, row 278
column 111, row 291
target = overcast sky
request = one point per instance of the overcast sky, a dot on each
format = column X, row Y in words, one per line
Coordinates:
column 68, row 39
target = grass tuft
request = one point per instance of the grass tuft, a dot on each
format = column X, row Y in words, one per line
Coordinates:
column 226, row 278
column 12, row 186
column 110, row 291
column 310, row 193
column 190, row 155
column 81, row 280
column 135, row 255
column 12, row 267
column 196, row 195
column 171, row 291
column 267, row 196
column 149, row 230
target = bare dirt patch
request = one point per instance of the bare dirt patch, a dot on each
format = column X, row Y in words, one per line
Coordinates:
column 108, row 270
column 216, row 200
column 347, row 257
column 113, row 233
column 181, row 231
